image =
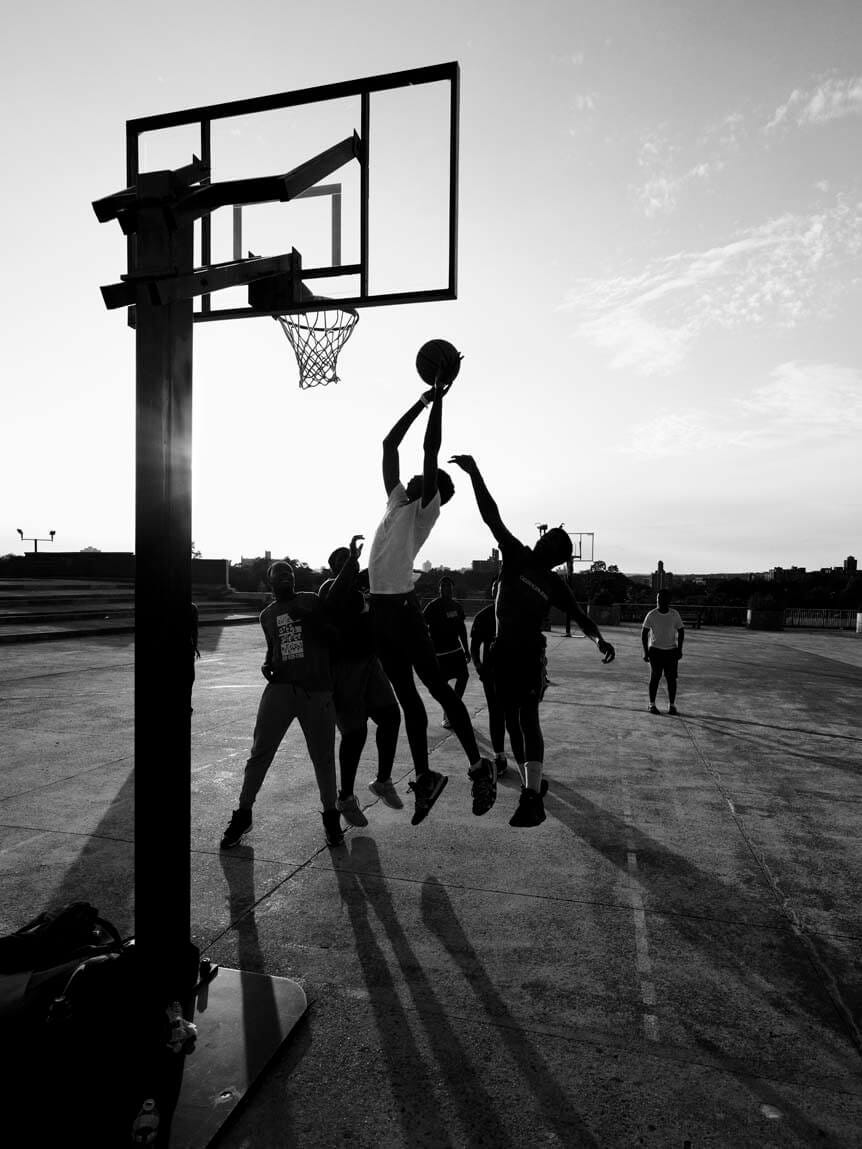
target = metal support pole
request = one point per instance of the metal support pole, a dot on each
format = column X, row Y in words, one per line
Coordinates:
column 163, row 604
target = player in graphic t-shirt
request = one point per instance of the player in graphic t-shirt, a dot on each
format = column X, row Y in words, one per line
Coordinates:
column 299, row 632
column 403, row 643
column 527, row 588
column 444, row 617
column 662, row 636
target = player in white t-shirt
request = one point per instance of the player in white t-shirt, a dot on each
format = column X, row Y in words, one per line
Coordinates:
column 662, row 635
column 402, row 639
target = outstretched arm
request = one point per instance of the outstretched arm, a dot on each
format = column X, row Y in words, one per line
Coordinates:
column 487, row 507
column 391, row 471
column 341, row 587
column 565, row 600
column 431, row 446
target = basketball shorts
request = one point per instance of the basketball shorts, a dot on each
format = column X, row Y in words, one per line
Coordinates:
column 518, row 671
column 452, row 664
column 359, row 688
column 664, row 660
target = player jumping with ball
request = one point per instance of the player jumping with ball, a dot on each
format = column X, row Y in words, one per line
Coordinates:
column 527, row 589
column 403, row 642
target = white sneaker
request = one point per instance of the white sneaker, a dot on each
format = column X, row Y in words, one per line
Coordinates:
column 350, row 812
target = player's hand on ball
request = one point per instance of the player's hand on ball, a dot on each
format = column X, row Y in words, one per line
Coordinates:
column 466, row 463
column 356, row 546
column 607, row 650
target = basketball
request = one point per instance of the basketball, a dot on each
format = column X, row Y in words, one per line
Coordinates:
column 438, row 357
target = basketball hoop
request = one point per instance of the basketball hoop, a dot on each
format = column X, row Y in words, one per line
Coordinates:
column 316, row 338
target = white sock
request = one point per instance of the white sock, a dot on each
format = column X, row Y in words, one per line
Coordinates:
column 533, row 773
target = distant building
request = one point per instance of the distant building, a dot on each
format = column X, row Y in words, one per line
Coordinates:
column 487, row 566
column 660, row 578
column 782, row 574
column 850, row 565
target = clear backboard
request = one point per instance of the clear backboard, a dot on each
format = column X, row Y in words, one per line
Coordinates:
column 370, row 200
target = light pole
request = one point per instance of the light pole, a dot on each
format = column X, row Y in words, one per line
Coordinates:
column 35, row 541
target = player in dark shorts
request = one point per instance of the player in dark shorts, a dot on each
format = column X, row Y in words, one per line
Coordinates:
column 360, row 691
column 527, row 587
column 444, row 617
column 482, row 635
column 401, row 637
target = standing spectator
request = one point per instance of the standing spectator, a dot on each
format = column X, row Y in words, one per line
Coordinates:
column 662, row 635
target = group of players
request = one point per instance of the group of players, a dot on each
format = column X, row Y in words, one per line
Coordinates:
column 342, row 656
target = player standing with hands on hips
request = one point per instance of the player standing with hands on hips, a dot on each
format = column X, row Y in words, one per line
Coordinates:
column 526, row 591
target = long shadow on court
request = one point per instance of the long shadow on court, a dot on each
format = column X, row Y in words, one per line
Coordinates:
column 441, row 920
column 816, row 979
column 409, row 1076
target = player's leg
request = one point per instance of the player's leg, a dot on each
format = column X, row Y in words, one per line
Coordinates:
column 671, row 674
column 496, row 722
column 528, row 682
column 349, row 697
column 462, row 676
column 483, row 776
column 274, row 715
column 382, row 708
column 654, row 678
column 316, row 713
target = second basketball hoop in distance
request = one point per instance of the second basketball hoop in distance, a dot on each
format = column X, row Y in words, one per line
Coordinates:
column 438, row 359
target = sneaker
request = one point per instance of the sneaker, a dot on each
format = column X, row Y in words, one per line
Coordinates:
column 332, row 828
column 427, row 788
column 386, row 791
column 483, row 777
column 530, row 810
column 672, row 709
column 349, row 807
column 238, row 827
column 653, row 709
column 447, row 725
column 501, row 765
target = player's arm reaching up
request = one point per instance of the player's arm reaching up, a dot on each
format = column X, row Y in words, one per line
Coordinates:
column 488, row 509
column 391, row 467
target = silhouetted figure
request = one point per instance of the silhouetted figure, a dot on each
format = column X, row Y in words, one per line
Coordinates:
column 444, row 617
column 403, row 643
column 528, row 587
column 360, row 691
column 662, row 636
column 299, row 635
column 482, row 635
column 195, row 653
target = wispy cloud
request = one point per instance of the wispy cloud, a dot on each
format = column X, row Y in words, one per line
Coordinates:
column 670, row 167
column 832, row 99
column 803, row 403
column 779, row 273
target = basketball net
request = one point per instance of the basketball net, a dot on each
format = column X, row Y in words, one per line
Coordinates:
column 316, row 338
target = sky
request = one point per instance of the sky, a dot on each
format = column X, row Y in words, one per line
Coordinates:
column 660, row 280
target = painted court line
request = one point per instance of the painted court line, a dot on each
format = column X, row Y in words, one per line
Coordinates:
column 643, row 962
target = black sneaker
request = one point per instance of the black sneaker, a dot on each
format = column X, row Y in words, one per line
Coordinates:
column 653, row 709
column 332, row 827
column 238, row 827
column 530, row 811
column 672, row 709
column 483, row 777
column 427, row 788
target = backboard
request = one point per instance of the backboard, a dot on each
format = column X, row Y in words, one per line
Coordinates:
column 371, row 210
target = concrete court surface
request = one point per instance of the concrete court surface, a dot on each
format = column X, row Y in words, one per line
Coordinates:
column 670, row 960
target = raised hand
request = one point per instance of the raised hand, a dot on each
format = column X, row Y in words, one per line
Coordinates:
column 466, row 463
column 356, row 546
